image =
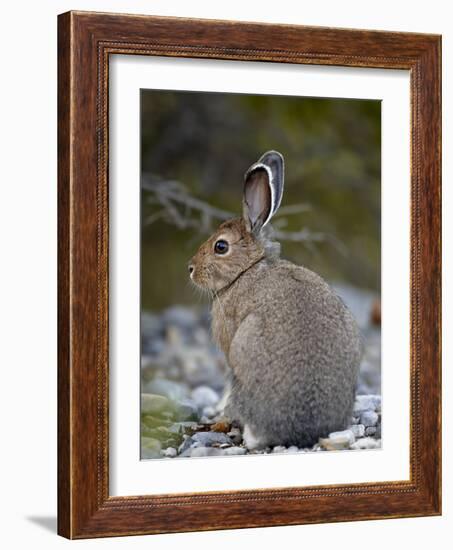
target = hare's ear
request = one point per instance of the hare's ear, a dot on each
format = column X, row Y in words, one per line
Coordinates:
column 263, row 190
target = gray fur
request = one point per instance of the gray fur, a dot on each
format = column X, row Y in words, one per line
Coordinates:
column 294, row 350
column 293, row 346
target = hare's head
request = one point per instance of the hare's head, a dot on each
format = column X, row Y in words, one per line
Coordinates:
column 240, row 243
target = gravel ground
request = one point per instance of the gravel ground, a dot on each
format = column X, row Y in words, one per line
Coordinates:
column 183, row 377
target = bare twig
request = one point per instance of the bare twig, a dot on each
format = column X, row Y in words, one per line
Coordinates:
column 293, row 209
column 184, row 211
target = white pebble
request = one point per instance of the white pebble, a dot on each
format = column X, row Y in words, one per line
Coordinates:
column 204, row 396
column 170, row 452
column 209, row 411
column 338, row 440
column 367, row 402
column 358, row 430
column 369, row 418
column 366, row 443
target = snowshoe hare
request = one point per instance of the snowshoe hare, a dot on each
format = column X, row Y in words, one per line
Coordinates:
column 293, row 347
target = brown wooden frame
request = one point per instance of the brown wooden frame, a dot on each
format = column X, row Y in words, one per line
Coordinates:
column 85, row 42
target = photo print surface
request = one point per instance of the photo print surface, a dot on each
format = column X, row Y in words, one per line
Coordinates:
column 260, row 274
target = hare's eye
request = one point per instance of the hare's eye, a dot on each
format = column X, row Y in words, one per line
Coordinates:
column 221, row 247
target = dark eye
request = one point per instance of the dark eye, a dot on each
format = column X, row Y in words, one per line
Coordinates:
column 221, row 247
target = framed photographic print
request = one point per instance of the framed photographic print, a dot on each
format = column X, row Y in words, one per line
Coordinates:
column 249, row 275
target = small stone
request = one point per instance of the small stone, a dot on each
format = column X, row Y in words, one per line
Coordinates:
column 170, row 452
column 338, row 440
column 204, row 396
column 209, row 412
column 221, row 427
column 279, row 449
column 154, row 404
column 358, row 430
column 207, row 439
column 293, row 449
column 235, row 435
column 366, row 402
column 366, row 443
column 185, row 445
column 371, row 430
column 369, row 418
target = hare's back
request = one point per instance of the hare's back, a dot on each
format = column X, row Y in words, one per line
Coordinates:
column 296, row 353
column 303, row 311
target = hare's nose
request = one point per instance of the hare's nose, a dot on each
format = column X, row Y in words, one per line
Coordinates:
column 191, row 268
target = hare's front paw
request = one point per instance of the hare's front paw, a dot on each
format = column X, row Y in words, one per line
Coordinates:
column 251, row 440
column 222, row 405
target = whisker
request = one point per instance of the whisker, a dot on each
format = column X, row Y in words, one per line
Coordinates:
column 201, row 292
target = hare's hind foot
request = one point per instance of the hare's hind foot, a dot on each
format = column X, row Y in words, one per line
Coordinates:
column 251, row 440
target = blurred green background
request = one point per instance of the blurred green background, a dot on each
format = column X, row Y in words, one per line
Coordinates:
column 195, row 148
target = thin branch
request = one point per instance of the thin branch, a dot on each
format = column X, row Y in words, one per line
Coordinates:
column 298, row 236
column 293, row 209
column 184, row 211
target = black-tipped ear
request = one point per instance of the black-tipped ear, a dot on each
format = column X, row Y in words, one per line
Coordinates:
column 274, row 161
column 263, row 190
